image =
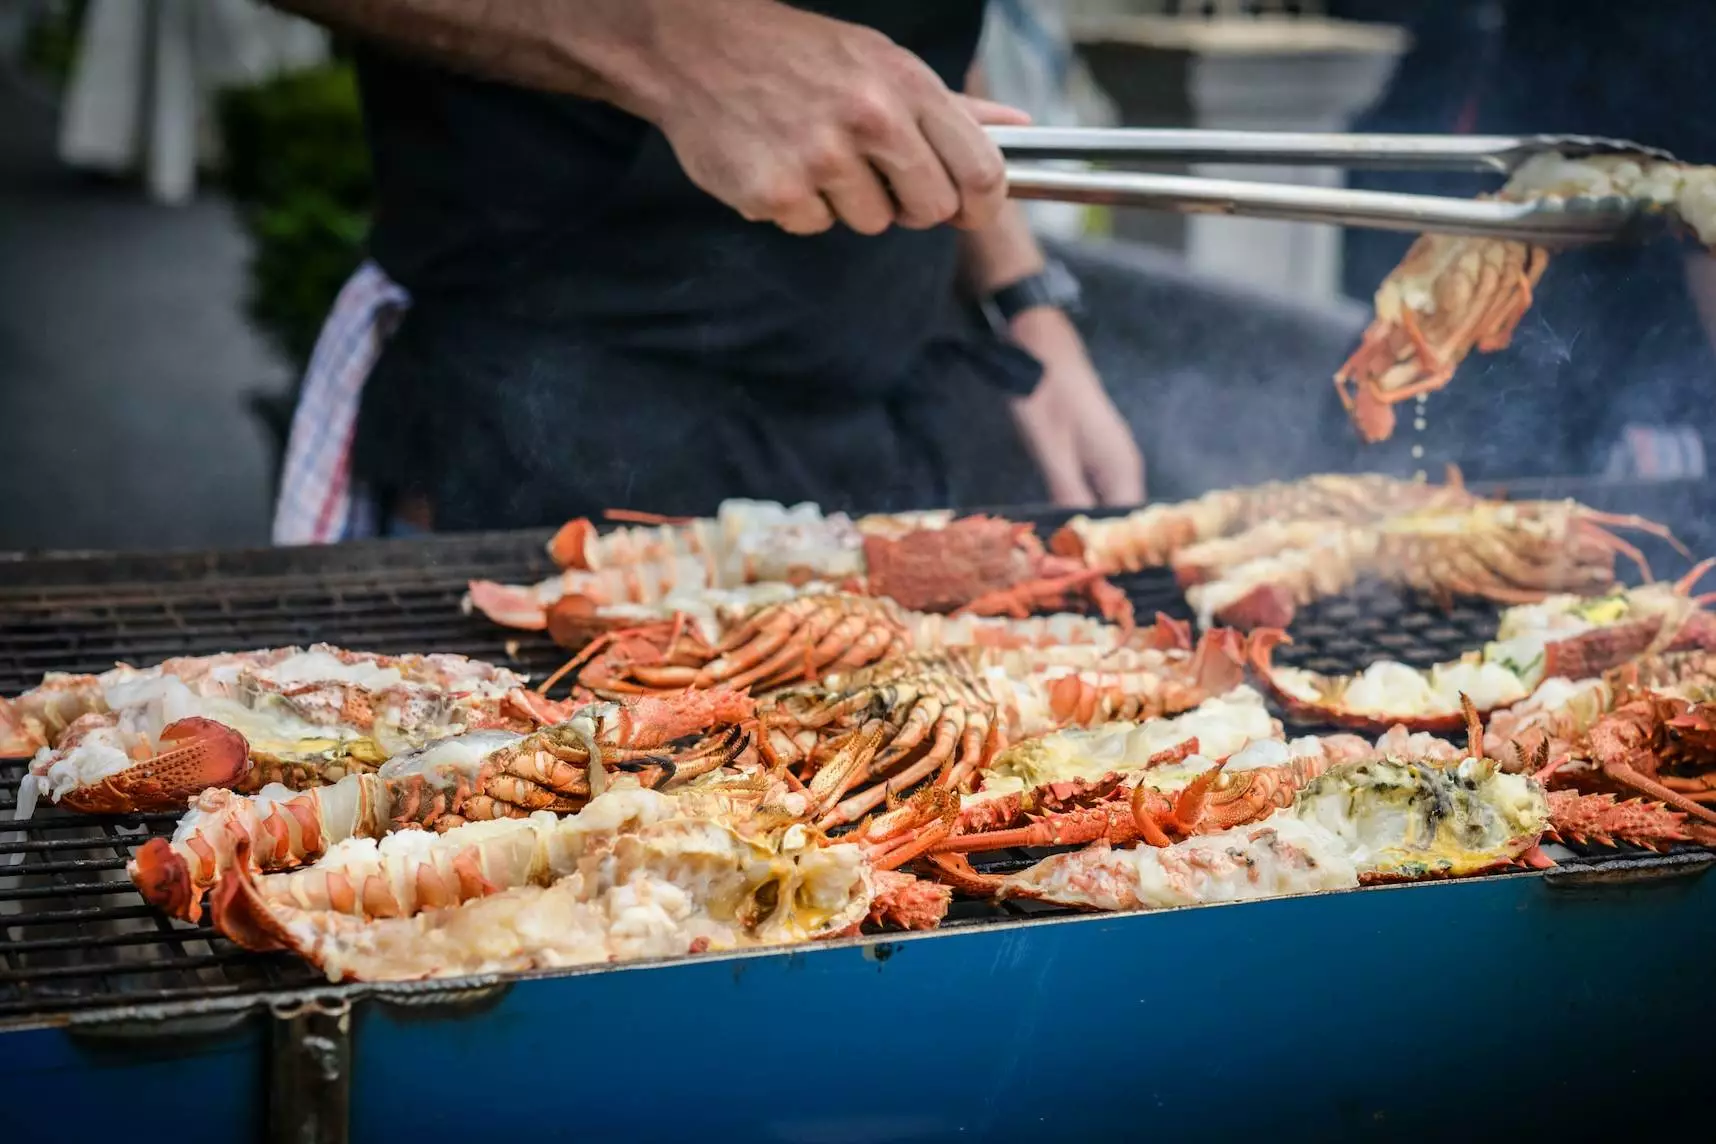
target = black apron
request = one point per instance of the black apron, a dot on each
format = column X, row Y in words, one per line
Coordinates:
column 590, row 330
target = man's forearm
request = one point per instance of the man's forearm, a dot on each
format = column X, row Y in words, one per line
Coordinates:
column 599, row 49
column 1002, row 252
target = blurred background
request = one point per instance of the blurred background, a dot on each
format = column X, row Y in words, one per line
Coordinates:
column 184, row 187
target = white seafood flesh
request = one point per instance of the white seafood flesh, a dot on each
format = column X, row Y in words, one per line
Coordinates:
column 629, row 876
column 1278, row 857
column 1391, row 689
column 1415, row 819
column 1222, row 725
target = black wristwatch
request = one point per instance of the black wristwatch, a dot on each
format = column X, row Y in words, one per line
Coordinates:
column 1053, row 285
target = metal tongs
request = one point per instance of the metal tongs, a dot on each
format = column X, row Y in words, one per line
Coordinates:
column 1550, row 221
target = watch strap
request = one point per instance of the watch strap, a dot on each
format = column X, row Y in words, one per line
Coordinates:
column 1053, row 285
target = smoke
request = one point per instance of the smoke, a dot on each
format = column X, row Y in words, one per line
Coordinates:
column 1222, row 386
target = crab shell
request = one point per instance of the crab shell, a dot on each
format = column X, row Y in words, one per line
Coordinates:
column 200, row 753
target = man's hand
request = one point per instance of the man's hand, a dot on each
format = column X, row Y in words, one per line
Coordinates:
column 801, row 120
column 1073, row 431
column 786, row 116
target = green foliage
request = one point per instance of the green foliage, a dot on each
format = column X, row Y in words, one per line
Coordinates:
column 297, row 167
column 51, row 39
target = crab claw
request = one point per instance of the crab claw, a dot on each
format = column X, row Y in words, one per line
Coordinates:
column 197, row 754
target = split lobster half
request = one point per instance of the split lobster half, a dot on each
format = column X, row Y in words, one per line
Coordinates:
column 1157, row 534
column 477, row 776
column 133, row 740
column 924, row 562
column 1564, row 637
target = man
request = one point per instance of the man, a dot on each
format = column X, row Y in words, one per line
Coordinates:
column 665, row 251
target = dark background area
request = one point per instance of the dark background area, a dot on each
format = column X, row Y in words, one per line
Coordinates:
column 148, row 353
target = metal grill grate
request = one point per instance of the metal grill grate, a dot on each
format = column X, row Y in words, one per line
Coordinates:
column 73, row 935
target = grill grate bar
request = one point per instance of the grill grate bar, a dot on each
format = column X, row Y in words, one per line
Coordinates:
column 67, row 889
column 82, row 914
column 160, row 965
column 78, row 866
column 54, row 819
column 95, row 941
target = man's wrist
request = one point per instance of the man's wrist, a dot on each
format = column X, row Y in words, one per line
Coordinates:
column 1040, row 324
column 1051, row 288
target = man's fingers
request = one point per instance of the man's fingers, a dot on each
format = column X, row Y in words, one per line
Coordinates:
column 921, row 185
column 1058, row 459
column 807, row 214
column 858, row 197
column 1067, row 486
column 973, row 162
column 992, row 114
column 1119, row 480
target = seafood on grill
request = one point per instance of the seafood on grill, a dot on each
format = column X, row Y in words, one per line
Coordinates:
column 1568, row 637
column 984, row 566
column 746, row 541
column 1219, row 765
column 779, row 643
column 977, row 564
column 1273, row 859
column 1452, row 294
column 1512, row 552
column 1601, row 819
column 1411, row 819
column 1176, row 794
column 694, row 564
column 802, row 639
column 612, row 882
column 1548, row 723
column 1156, row 534
column 860, row 738
column 1359, row 822
column 1550, row 735
column 148, row 739
column 1652, row 744
column 477, row 775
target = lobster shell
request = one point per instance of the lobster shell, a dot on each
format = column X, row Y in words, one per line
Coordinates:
column 201, row 754
column 1261, row 649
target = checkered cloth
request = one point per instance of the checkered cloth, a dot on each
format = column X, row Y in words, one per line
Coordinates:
column 319, row 503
